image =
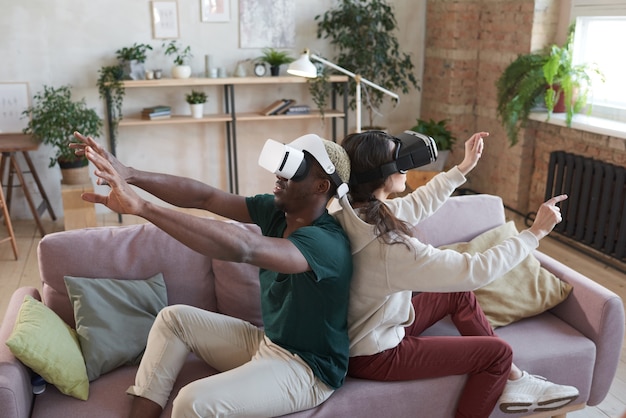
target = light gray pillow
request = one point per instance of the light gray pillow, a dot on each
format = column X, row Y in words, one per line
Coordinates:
column 113, row 318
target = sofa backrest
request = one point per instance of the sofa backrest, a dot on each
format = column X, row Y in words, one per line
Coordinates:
column 123, row 252
column 460, row 219
column 140, row 251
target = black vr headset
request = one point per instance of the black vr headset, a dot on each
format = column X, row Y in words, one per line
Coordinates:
column 413, row 150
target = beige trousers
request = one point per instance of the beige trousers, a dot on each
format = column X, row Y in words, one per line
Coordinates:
column 258, row 378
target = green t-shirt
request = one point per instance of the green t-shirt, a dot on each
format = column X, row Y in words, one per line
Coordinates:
column 306, row 313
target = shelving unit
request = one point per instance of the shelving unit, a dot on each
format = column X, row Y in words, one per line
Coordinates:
column 230, row 117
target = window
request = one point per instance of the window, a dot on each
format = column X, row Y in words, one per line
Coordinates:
column 600, row 33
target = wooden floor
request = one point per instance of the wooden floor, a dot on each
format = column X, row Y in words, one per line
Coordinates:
column 24, row 272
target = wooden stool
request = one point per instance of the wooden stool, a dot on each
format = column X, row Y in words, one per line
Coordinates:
column 7, row 223
column 10, row 146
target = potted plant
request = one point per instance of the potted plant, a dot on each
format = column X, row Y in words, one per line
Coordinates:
column 53, row 119
column 568, row 83
column 539, row 81
column 182, row 55
column 438, row 130
column 132, row 60
column 275, row 58
column 196, row 100
column 364, row 34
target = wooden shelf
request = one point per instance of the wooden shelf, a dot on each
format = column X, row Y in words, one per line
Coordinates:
column 136, row 120
column 314, row 114
column 185, row 82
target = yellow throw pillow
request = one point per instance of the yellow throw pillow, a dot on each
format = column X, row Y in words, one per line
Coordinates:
column 43, row 342
column 526, row 290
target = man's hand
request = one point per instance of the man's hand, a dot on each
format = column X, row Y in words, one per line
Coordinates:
column 87, row 141
column 122, row 198
column 473, row 151
column 548, row 215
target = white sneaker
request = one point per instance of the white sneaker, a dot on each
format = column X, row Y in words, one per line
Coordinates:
column 534, row 393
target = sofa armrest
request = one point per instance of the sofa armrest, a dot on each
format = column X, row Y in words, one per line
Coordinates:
column 597, row 313
column 16, row 396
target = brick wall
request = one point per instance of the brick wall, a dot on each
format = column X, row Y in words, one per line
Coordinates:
column 469, row 43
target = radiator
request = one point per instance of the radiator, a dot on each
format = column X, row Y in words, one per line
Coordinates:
column 595, row 213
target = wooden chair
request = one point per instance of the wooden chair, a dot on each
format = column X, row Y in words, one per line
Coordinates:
column 7, row 223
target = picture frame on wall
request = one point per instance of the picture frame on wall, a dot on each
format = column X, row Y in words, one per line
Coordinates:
column 14, row 100
column 215, row 10
column 165, row 20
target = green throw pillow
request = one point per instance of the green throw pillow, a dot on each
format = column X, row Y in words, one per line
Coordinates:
column 526, row 290
column 113, row 318
column 43, row 342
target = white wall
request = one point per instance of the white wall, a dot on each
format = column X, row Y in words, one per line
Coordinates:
column 56, row 42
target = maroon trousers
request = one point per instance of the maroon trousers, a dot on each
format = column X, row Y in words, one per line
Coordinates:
column 478, row 352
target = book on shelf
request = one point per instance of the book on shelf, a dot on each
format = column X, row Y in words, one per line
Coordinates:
column 155, row 112
column 298, row 110
column 282, row 109
column 274, row 106
column 157, row 108
column 165, row 116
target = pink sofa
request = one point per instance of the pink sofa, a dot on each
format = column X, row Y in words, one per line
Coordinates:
column 577, row 343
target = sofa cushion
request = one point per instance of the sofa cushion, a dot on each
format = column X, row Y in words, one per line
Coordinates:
column 527, row 290
column 237, row 287
column 113, row 318
column 46, row 344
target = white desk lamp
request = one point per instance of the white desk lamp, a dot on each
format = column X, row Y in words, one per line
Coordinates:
column 303, row 67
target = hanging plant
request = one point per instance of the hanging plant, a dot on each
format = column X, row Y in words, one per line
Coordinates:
column 320, row 89
column 111, row 89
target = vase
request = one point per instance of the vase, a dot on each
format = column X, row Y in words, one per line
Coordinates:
column 275, row 70
column 196, row 110
column 181, row 71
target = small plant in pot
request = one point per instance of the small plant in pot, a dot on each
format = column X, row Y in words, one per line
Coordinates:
column 196, row 100
column 182, row 55
column 132, row 60
column 275, row 58
column 439, row 131
column 54, row 117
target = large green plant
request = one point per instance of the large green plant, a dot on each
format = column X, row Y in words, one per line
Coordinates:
column 54, row 117
column 563, row 77
column 520, row 87
column 537, row 79
column 364, row 34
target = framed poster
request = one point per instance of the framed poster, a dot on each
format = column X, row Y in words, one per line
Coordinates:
column 267, row 23
column 165, row 20
column 215, row 10
column 14, row 99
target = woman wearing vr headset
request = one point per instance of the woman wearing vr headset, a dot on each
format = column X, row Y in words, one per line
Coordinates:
column 385, row 320
column 305, row 271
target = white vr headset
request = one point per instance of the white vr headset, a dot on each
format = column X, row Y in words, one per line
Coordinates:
column 288, row 161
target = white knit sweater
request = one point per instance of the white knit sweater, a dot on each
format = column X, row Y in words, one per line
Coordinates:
column 386, row 275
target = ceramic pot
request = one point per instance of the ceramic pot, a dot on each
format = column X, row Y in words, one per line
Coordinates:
column 196, row 110
column 181, row 71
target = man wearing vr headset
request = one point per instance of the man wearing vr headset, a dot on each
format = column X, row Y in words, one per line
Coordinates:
column 301, row 355
column 385, row 319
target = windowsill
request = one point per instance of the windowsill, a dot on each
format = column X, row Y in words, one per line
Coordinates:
column 584, row 123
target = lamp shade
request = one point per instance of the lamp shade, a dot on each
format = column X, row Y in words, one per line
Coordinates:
column 303, row 67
